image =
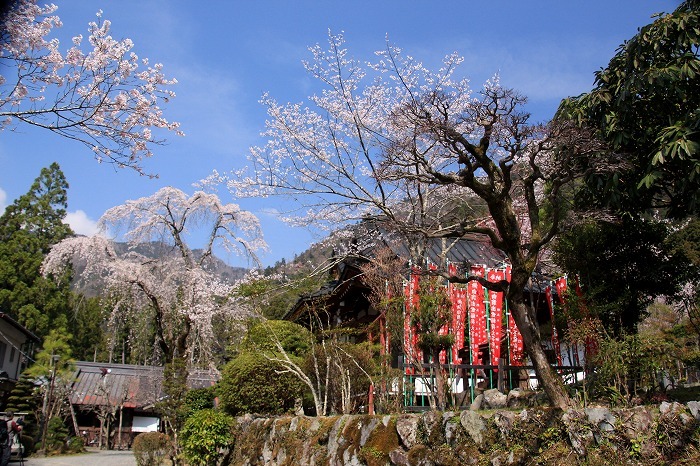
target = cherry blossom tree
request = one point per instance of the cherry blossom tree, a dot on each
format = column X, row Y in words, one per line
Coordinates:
column 100, row 93
column 413, row 149
column 175, row 285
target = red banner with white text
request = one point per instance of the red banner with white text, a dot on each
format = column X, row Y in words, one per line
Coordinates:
column 495, row 316
column 477, row 314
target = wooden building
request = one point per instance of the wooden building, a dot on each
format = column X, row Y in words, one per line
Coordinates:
column 116, row 402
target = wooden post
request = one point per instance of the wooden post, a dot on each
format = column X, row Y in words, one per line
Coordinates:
column 121, row 423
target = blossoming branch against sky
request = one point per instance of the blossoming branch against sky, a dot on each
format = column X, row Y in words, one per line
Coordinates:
column 225, row 55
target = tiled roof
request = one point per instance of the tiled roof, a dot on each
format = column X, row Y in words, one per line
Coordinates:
column 101, row 384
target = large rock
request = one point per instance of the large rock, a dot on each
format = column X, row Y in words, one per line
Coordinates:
column 518, row 398
column 504, row 420
column 474, row 425
column 636, row 422
column 603, row 419
column 399, row 458
column 407, row 428
column 671, row 408
column 432, row 425
column 495, row 399
column 451, row 427
column 477, row 403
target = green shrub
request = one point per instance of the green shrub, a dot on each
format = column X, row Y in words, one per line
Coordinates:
column 150, row 448
column 198, row 399
column 251, row 384
column 75, row 445
column 56, row 436
column 205, row 435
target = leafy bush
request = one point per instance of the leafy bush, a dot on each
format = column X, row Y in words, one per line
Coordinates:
column 628, row 366
column 295, row 339
column 250, row 384
column 198, row 399
column 150, row 448
column 205, row 435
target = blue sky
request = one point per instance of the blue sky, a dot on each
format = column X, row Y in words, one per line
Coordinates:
column 226, row 54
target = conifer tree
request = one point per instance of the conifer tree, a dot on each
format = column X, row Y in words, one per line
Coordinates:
column 28, row 228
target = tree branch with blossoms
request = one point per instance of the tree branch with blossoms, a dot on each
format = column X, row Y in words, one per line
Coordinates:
column 100, row 94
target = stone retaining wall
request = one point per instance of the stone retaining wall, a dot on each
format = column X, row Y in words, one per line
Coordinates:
column 664, row 434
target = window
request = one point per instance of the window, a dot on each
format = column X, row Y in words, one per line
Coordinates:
column 12, row 354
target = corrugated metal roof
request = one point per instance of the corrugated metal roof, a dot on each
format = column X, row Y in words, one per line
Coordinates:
column 101, row 384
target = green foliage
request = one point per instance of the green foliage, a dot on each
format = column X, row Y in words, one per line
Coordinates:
column 75, row 445
column 175, row 389
column 622, row 268
column 85, row 323
column 198, row 399
column 205, row 434
column 262, row 336
column 433, row 313
column 628, row 367
column 55, row 355
column 272, row 298
column 150, row 448
column 347, row 375
column 646, row 104
column 686, row 242
column 28, row 229
column 24, row 398
column 56, row 436
column 251, row 383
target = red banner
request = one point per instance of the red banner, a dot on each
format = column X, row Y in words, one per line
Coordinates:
column 515, row 339
column 459, row 314
column 560, row 285
column 515, row 343
column 495, row 317
column 477, row 314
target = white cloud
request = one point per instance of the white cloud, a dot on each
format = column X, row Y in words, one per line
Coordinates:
column 81, row 223
column 3, row 200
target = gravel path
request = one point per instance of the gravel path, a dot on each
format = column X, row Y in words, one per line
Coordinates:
column 91, row 458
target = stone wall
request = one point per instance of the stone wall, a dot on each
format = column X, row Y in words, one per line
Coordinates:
column 664, row 434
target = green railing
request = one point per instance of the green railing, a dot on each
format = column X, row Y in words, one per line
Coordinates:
column 466, row 381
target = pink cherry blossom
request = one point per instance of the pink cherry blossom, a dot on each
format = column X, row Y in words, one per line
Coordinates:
column 97, row 94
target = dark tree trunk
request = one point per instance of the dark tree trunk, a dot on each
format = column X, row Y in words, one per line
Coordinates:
column 526, row 321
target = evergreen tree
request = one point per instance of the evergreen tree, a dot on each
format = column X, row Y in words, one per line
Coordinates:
column 28, row 229
column 25, row 398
